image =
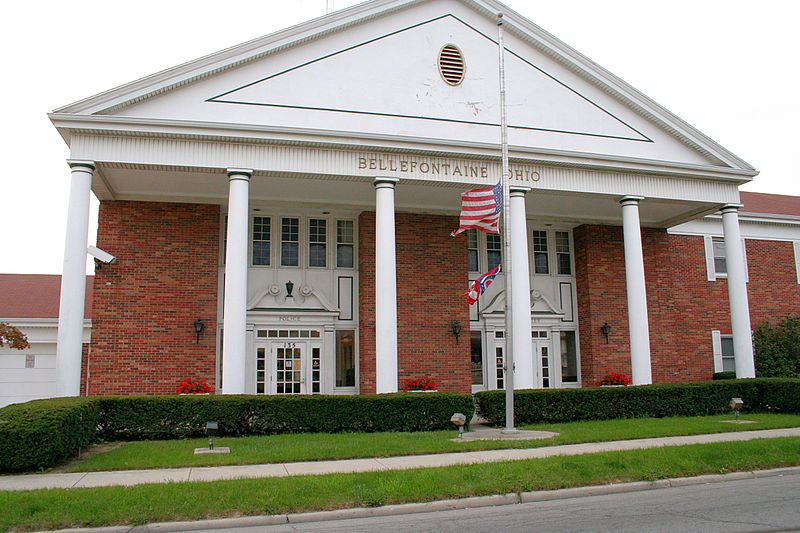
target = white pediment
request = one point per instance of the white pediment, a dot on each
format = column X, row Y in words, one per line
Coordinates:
column 541, row 306
column 372, row 70
column 303, row 299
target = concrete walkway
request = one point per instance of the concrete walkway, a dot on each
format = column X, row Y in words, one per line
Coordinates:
column 214, row 473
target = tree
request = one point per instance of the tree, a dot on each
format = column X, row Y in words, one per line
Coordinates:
column 13, row 337
column 777, row 349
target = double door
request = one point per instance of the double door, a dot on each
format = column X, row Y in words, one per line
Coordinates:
column 288, row 367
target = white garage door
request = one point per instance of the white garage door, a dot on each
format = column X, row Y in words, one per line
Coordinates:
column 27, row 374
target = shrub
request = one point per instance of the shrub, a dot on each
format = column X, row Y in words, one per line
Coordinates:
column 680, row 399
column 777, row 349
column 42, row 433
column 167, row 417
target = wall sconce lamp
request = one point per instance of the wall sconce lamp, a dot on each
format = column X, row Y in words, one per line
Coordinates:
column 605, row 329
column 198, row 328
column 289, row 289
column 455, row 327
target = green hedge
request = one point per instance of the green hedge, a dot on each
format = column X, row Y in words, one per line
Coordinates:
column 681, row 399
column 43, row 433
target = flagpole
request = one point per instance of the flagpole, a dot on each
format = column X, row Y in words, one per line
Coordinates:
column 509, row 353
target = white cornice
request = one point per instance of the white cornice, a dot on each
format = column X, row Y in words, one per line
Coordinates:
column 68, row 124
column 524, row 29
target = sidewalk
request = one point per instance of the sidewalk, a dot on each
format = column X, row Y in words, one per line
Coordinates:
column 213, row 473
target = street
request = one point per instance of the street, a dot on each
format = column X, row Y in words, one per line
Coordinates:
column 765, row 504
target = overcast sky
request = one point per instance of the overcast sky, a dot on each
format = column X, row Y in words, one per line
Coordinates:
column 727, row 67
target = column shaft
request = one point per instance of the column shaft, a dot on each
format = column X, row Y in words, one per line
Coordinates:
column 385, row 288
column 234, row 345
column 637, row 293
column 524, row 375
column 73, row 282
column 737, row 294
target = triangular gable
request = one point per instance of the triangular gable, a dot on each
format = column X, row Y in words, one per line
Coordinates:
column 541, row 306
column 368, row 70
column 304, row 298
column 534, row 98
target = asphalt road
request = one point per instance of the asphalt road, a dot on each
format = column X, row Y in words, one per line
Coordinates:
column 764, row 504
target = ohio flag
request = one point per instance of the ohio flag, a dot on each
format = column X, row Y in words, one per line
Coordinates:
column 480, row 209
column 480, row 285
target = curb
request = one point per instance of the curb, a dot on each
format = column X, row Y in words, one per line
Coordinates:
column 441, row 505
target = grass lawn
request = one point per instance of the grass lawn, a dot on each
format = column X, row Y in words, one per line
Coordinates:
column 59, row 508
column 322, row 446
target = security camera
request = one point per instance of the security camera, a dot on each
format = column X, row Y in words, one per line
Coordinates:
column 101, row 255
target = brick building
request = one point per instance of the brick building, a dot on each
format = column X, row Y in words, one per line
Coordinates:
column 280, row 214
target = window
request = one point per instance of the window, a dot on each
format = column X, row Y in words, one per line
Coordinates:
column 476, row 346
column 569, row 357
column 541, row 262
column 346, row 358
column 728, row 360
column 261, row 241
column 720, row 261
column 290, row 245
column 317, row 242
column 493, row 250
column 500, row 366
column 563, row 255
column 472, row 250
column 344, row 243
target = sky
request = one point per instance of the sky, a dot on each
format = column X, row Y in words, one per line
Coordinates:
column 728, row 67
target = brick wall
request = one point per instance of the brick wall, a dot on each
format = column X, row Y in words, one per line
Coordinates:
column 683, row 306
column 145, row 304
column 431, row 280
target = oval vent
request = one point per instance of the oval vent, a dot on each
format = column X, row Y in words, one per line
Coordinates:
column 451, row 64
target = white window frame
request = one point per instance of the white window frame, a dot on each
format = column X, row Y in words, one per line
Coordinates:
column 335, row 231
column 571, row 253
column 716, row 343
column 307, row 243
column 711, row 271
column 796, row 245
column 550, row 243
column 251, row 235
column 300, row 241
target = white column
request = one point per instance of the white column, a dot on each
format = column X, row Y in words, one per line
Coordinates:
column 385, row 288
column 737, row 293
column 521, row 302
column 637, row 294
column 234, row 344
column 73, row 282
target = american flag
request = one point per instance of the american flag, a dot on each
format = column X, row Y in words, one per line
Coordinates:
column 480, row 209
column 481, row 284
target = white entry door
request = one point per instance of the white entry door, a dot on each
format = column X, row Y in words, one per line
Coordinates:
column 288, row 367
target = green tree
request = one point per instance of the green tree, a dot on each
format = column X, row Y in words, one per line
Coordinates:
column 777, row 348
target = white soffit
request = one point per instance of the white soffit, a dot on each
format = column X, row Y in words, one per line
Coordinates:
column 372, row 69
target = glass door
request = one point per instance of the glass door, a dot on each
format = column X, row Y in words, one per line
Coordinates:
column 289, row 368
column 543, row 359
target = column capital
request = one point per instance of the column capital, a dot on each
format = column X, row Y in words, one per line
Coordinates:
column 385, row 182
column 81, row 163
column 239, row 173
column 518, row 190
column 630, row 200
column 728, row 208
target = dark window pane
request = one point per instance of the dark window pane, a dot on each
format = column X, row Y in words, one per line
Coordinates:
column 261, row 253
column 289, row 254
column 564, row 264
column 477, row 357
column 541, row 263
column 472, row 256
column 344, row 256
column 316, row 255
column 345, row 358
column 569, row 357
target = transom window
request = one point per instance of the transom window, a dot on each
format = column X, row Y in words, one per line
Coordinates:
column 290, row 242
column 344, row 243
column 563, row 253
column 493, row 247
column 541, row 260
column 720, row 259
column 288, row 333
column 261, row 240
column 317, row 242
